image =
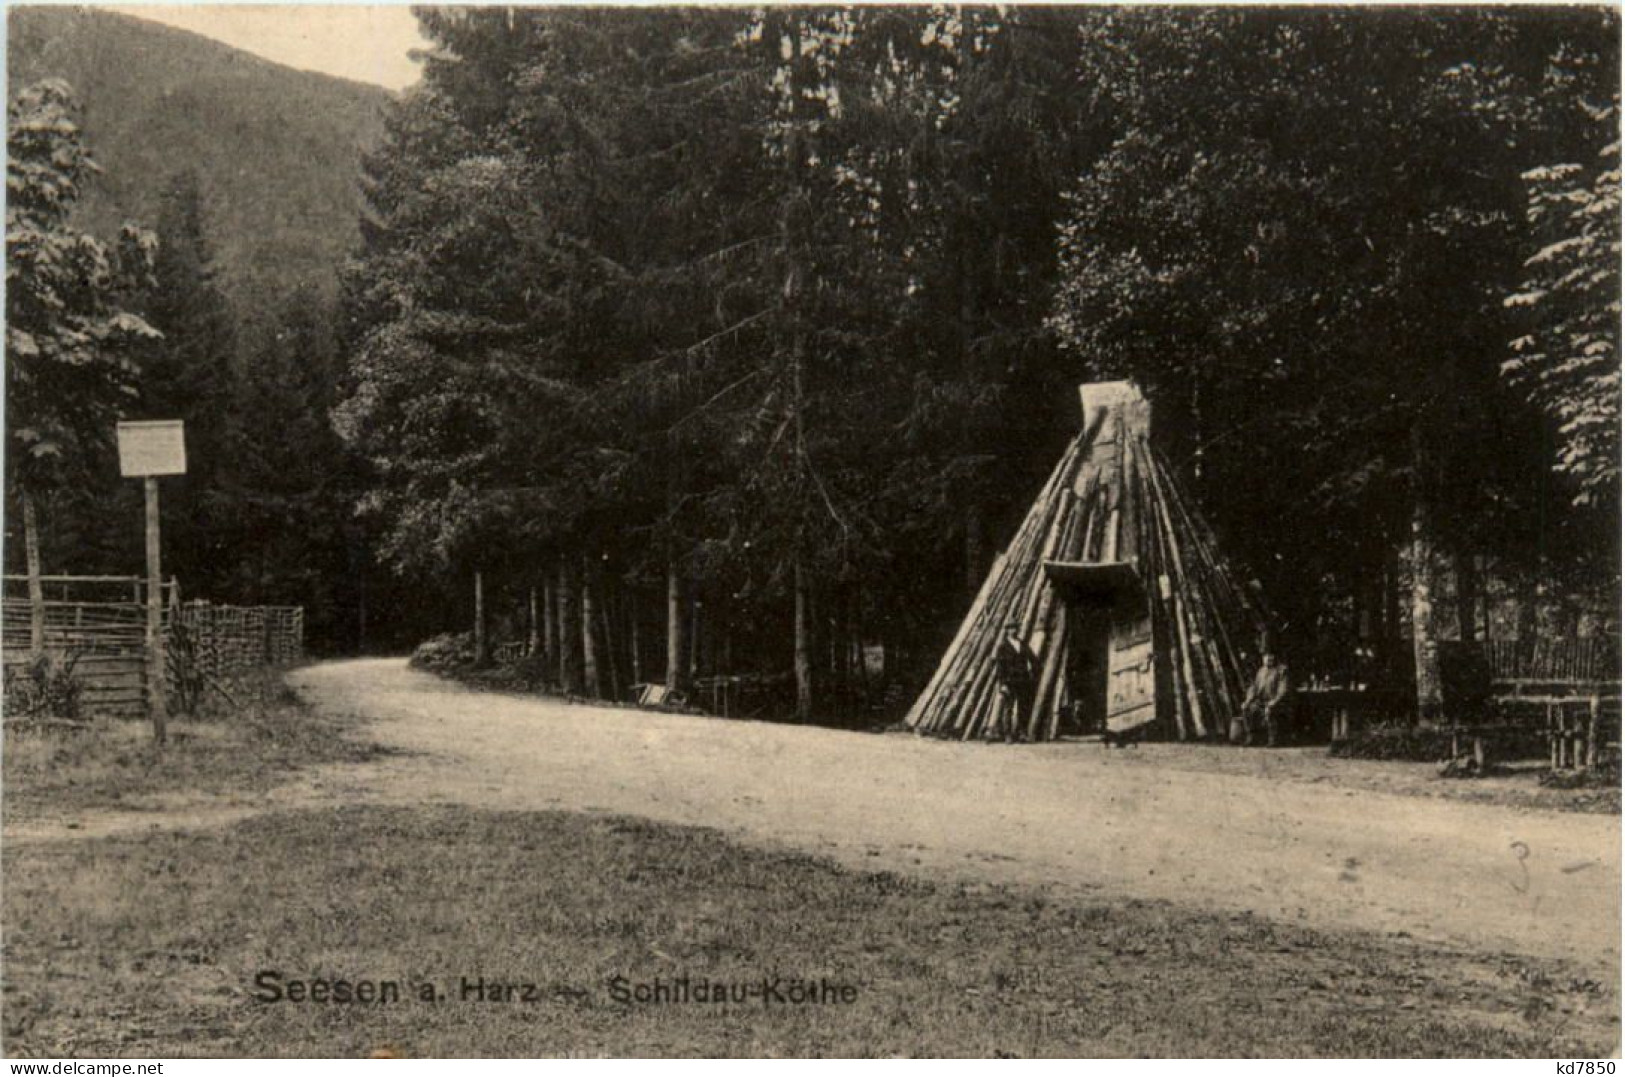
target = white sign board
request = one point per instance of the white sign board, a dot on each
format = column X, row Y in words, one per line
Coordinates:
column 151, row 448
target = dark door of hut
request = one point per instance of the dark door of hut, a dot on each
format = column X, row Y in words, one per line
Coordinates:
column 1110, row 671
column 1088, row 634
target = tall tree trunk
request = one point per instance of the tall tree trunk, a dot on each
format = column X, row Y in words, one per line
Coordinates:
column 533, row 640
column 1359, row 611
column 482, row 652
column 361, row 611
column 1568, row 618
column 36, row 589
column 569, row 630
column 591, row 681
column 550, row 629
column 829, row 648
column 967, row 264
column 792, row 235
column 854, row 626
column 607, row 604
column 1197, row 437
column 635, row 638
column 1429, row 687
column 974, row 549
column 1531, row 596
column 1390, row 663
column 676, row 671
column 696, row 640
column 803, row 645
column 1467, row 587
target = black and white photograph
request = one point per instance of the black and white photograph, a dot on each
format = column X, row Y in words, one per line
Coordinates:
column 769, row 531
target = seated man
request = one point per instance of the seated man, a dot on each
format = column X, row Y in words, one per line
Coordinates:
column 1268, row 702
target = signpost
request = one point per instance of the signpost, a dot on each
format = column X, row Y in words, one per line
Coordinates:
column 147, row 450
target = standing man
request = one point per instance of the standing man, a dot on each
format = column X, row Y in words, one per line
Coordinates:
column 1018, row 674
column 1268, row 702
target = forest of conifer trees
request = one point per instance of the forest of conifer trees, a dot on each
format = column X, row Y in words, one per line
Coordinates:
column 713, row 341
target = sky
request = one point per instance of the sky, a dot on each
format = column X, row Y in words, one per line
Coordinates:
column 366, row 43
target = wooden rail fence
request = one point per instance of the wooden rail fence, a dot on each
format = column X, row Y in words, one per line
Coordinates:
column 100, row 621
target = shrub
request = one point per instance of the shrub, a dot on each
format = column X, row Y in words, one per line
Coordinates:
column 1431, row 744
column 43, row 687
column 532, row 674
column 445, row 653
column 1604, row 776
column 187, row 681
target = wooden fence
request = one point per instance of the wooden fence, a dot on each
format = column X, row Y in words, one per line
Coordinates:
column 1551, row 660
column 230, row 639
column 100, row 623
column 1566, row 686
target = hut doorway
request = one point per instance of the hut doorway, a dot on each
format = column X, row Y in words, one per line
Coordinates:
column 1089, row 624
column 1108, row 661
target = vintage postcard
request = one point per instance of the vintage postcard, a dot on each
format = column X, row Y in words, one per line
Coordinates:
column 832, row 531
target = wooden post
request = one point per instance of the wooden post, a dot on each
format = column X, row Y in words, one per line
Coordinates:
column 1593, row 725
column 155, row 612
column 36, row 591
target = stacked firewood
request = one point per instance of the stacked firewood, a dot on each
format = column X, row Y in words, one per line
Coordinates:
column 1110, row 501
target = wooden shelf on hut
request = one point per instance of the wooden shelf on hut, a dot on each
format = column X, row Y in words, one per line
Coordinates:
column 1109, row 582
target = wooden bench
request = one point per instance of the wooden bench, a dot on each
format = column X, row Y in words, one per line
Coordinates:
column 1477, row 742
column 1576, row 731
column 1581, row 728
column 1341, row 710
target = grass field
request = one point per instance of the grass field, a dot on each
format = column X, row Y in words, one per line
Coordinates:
column 150, row 947
column 249, row 744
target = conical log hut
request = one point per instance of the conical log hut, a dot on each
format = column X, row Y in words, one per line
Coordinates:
column 1134, row 620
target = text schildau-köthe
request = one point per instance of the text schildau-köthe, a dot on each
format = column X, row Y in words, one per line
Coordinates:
column 766, row 991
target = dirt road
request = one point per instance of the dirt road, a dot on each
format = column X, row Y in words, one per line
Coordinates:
column 1541, row 883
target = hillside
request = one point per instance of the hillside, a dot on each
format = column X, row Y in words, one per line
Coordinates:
column 276, row 150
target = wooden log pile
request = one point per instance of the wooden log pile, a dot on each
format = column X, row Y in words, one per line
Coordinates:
column 1110, row 501
column 231, row 639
